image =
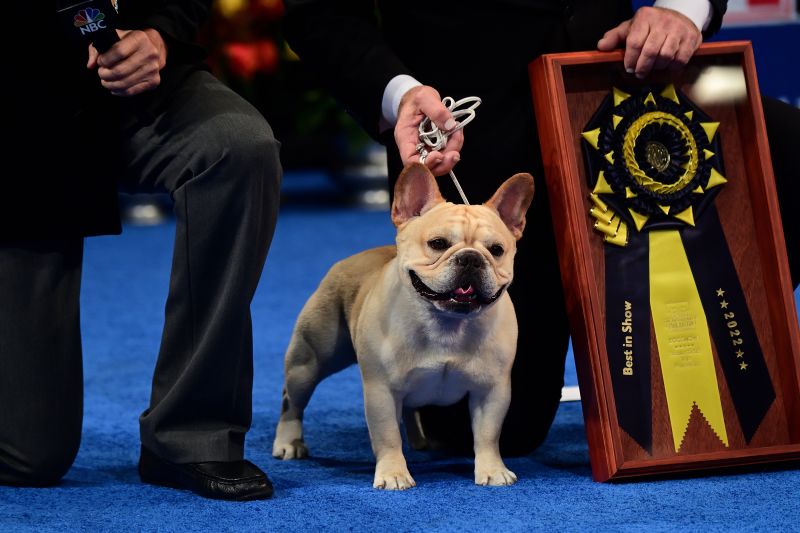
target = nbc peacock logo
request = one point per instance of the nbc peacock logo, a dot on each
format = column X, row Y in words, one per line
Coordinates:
column 89, row 20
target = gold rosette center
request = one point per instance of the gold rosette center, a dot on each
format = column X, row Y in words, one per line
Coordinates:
column 657, row 154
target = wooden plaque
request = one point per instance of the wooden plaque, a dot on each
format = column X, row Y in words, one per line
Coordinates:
column 569, row 92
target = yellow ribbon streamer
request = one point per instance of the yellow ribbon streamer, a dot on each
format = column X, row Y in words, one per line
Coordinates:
column 684, row 345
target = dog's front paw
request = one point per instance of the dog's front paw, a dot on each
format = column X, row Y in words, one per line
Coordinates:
column 393, row 477
column 295, row 449
column 395, row 481
column 495, row 476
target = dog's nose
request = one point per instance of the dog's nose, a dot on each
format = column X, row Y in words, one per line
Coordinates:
column 469, row 259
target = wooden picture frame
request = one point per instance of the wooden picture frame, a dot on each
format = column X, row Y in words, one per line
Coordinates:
column 567, row 90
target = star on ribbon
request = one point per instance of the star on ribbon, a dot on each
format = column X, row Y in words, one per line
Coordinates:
column 739, row 354
column 723, row 304
column 743, row 365
column 720, row 293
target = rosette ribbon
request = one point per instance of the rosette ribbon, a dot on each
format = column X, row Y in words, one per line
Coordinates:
column 655, row 166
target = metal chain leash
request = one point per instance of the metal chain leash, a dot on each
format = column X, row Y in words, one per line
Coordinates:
column 431, row 138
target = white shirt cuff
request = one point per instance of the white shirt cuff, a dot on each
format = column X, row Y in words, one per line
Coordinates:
column 698, row 11
column 395, row 89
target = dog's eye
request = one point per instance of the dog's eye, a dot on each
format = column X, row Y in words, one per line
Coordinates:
column 496, row 250
column 439, row 244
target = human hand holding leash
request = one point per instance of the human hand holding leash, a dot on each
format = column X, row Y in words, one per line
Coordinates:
column 432, row 138
column 133, row 65
column 655, row 38
column 417, row 104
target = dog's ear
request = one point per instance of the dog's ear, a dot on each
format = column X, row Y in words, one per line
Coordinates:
column 415, row 193
column 512, row 200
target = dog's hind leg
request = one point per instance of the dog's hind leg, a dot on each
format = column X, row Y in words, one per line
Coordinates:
column 320, row 346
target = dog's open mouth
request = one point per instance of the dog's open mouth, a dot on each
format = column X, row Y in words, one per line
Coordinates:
column 464, row 294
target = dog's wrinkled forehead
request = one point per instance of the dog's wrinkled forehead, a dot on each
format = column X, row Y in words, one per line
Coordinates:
column 463, row 223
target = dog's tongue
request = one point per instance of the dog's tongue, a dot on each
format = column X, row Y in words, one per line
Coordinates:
column 463, row 294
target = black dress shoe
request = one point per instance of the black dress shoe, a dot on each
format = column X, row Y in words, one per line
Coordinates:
column 220, row 480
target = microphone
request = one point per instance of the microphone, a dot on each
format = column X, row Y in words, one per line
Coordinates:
column 93, row 21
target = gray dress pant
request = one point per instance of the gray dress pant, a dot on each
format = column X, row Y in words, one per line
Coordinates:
column 218, row 159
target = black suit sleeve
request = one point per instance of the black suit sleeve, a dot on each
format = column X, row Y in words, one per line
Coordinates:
column 341, row 42
column 178, row 20
column 718, row 11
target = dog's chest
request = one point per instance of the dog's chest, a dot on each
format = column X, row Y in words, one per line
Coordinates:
column 438, row 382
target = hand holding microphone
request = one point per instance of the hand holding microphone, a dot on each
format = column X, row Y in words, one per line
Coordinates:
column 128, row 62
column 132, row 65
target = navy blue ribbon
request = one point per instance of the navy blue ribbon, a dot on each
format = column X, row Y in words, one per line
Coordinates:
column 627, row 270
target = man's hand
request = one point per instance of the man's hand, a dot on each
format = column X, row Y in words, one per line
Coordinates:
column 655, row 38
column 133, row 64
column 418, row 103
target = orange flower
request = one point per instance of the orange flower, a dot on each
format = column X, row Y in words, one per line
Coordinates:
column 246, row 59
column 242, row 59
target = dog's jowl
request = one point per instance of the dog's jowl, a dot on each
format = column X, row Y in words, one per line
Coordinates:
column 428, row 321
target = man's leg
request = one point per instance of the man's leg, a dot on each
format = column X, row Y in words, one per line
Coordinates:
column 41, row 375
column 783, row 122
column 537, row 376
column 218, row 159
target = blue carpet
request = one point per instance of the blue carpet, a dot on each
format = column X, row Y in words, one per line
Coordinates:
column 125, row 283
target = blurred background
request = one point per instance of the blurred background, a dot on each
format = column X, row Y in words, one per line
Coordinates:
column 329, row 160
column 326, row 155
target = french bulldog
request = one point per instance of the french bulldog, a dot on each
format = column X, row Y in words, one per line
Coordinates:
column 428, row 321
